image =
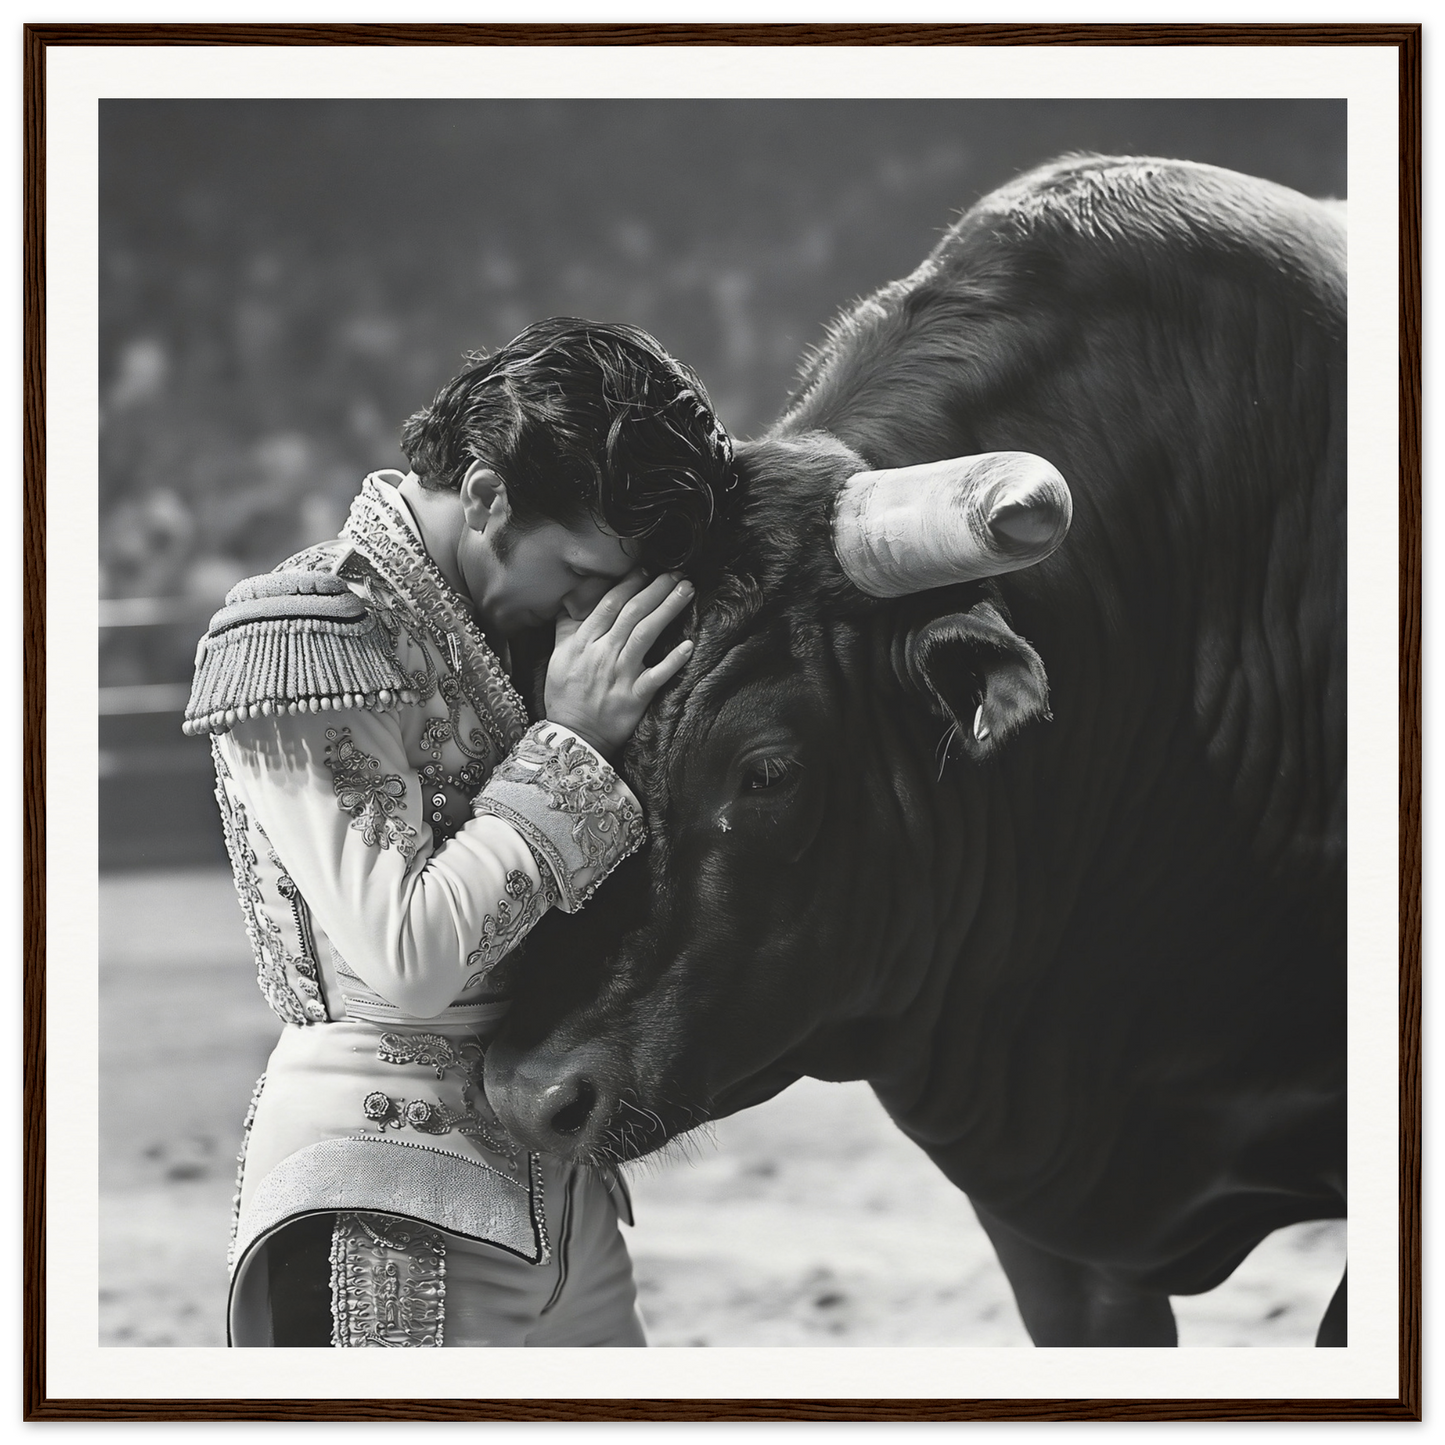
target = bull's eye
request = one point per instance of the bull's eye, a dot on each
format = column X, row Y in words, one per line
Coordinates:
column 761, row 774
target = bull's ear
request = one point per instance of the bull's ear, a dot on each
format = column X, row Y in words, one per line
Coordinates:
column 980, row 674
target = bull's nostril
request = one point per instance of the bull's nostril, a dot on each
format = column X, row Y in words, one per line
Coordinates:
column 570, row 1118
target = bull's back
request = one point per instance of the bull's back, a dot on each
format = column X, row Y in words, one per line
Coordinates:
column 1172, row 338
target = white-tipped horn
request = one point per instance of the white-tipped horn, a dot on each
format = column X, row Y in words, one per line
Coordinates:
column 912, row 528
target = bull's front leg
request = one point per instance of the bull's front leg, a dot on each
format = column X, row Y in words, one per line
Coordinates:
column 1066, row 1303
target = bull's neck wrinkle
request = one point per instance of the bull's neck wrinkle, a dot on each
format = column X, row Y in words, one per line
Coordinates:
column 966, row 981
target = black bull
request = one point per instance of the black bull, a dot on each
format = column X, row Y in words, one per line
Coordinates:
column 1093, row 961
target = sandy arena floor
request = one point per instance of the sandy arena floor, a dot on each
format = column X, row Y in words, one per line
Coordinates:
column 807, row 1221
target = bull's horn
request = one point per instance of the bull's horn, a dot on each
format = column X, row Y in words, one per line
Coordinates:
column 911, row 528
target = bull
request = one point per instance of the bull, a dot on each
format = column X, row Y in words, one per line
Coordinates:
column 1052, row 855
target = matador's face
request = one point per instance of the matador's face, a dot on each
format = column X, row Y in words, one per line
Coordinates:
column 527, row 577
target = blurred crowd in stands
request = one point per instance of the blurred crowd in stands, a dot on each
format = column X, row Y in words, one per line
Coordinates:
column 282, row 283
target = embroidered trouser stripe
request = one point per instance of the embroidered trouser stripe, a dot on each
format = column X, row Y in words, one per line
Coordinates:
column 388, row 1282
column 332, row 1285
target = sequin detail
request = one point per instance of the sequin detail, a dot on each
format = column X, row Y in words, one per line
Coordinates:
column 241, row 1169
column 446, row 794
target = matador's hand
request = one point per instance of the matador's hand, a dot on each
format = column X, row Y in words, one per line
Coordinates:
column 596, row 682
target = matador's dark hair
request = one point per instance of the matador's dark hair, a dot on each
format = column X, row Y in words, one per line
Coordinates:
column 584, row 418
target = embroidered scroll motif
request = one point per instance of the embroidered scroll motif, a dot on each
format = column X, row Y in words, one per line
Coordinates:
column 397, row 620
column 475, row 744
column 371, row 797
column 437, row 731
column 474, row 1120
column 503, row 931
column 268, row 945
column 607, row 825
column 386, row 1112
column 430, row 1116
column 388, row 1283
column 434, row 1051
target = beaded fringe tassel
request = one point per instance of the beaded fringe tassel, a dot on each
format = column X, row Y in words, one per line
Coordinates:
column 292, row 665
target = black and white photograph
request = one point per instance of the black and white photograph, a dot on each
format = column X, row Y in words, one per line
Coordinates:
column 725, row 722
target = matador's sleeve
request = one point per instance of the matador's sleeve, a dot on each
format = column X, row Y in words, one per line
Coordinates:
column 569, row 804
column 339, row 801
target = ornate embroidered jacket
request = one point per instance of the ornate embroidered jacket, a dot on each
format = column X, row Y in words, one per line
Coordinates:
column 396, row 827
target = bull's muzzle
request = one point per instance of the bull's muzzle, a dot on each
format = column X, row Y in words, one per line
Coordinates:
column 555, row 1103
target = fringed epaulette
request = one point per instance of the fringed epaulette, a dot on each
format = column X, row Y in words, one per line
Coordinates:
column 292, row 642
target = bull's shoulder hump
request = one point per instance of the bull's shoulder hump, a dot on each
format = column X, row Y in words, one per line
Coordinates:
column 1132, row 209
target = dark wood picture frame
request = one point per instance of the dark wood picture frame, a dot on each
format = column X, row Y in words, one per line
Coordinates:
column 1406, row 41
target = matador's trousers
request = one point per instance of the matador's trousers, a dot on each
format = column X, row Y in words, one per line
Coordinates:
column 356, row 1279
